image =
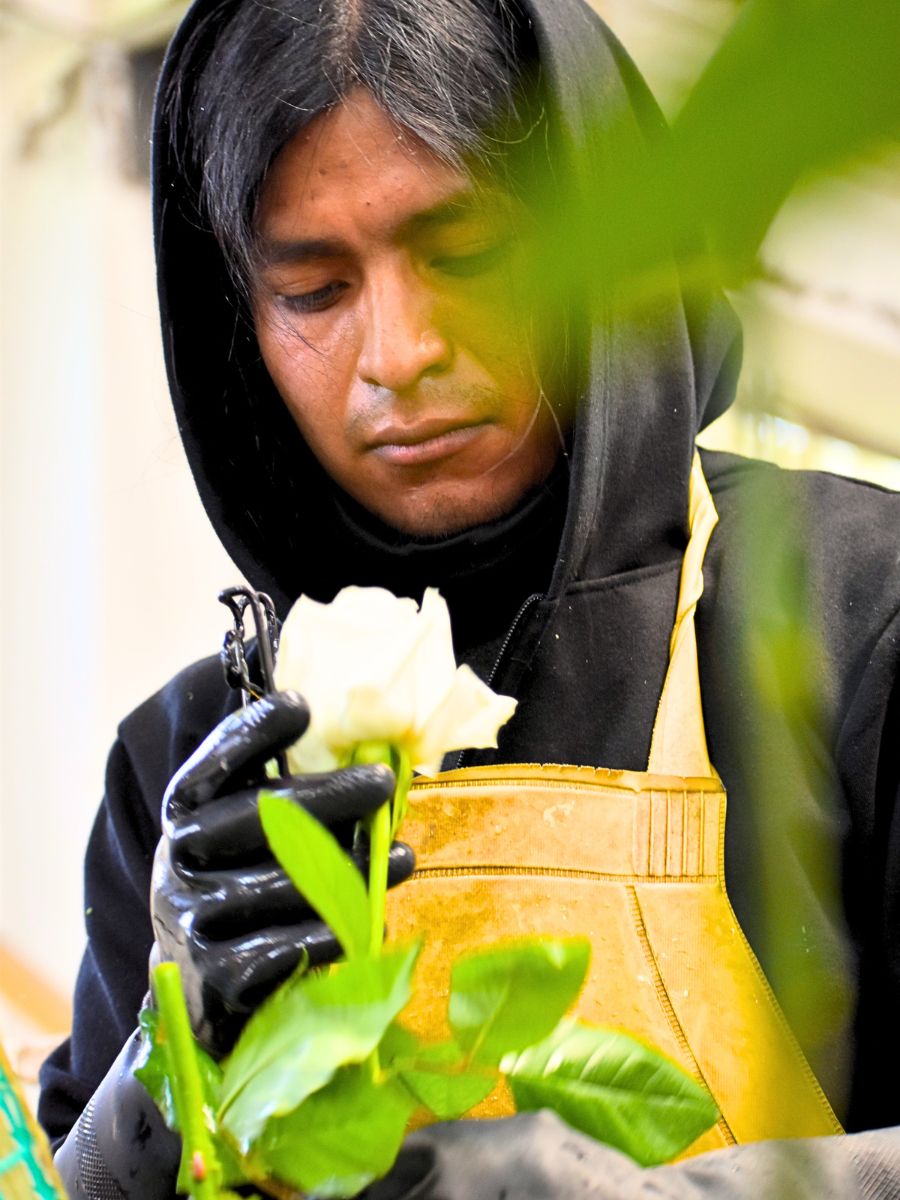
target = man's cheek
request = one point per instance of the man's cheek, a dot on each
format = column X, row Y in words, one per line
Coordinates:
column 504, row 354
column 495, row 330
column 295, row 361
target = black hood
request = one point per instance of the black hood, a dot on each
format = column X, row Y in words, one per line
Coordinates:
column 649, row 383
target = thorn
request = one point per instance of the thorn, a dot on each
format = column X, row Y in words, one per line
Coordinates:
column 198, row 1167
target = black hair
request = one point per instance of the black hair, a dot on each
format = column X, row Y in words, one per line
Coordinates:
column 459, row 74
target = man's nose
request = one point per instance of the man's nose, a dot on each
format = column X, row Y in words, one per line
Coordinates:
column 401, row 340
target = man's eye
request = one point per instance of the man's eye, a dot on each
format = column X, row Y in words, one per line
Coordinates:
column 464, row 266
column 317, row 301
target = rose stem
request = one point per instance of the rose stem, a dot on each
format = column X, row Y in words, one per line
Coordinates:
column 379, row 850
column 203, row 1171
column 379, row 827
column 403, row 772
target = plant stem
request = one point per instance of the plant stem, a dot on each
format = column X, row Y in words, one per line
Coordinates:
column 200, row 1164
column 403, row 773
column 378, row 826
column 379, row 850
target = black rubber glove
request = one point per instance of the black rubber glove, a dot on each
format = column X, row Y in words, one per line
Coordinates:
column 223, row 908
column 120, row 1146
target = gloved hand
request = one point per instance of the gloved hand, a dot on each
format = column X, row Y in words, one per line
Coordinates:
column 227, row 914
column 120, row 1146
column 223, row 909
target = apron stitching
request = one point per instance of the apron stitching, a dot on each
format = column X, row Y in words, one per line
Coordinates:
column 559, row 873
column 701, row 837
column 685, row 826
column 665, row 1003
column 698, row 783
column 791, row 1037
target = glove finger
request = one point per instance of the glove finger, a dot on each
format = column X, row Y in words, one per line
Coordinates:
column 225, row 905
column 401, row 862
column 340, row 797
column 222, row 833
column 242, row 972
column 239, row 745
column 228, row 904
column 229, row 829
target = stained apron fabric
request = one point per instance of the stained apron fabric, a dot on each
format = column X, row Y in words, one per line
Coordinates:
column 634, row 861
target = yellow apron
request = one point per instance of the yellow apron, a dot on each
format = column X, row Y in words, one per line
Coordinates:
column 635, row 862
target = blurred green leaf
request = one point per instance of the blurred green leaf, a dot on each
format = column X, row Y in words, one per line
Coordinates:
column 340, row 1138
column 440, row 1079
column 436, row 1074
column 447, row 1094
column 319, row 869
column 614, row 1088
column 297, row 1039
column 781, row 710
column 399, row 1044
column 795, row 88
column 511, row 996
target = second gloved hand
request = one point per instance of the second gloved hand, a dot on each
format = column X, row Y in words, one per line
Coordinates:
column 223, row 909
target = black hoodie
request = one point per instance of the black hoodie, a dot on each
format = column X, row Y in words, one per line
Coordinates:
column 798, row 628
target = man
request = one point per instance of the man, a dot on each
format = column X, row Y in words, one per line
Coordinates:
column 352, row 212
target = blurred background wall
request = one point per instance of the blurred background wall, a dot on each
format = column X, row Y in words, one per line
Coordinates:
column 109, row 570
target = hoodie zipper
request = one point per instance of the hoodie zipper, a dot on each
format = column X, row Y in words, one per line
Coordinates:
column 501, row 654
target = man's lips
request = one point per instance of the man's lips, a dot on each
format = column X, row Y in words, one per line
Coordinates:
column 423, row 442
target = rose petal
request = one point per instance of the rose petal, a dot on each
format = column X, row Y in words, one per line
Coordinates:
column 435, row 666
column 469, row 715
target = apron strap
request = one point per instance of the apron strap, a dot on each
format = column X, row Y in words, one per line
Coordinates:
column 679, row 735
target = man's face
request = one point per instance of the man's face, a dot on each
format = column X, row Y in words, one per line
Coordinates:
column 391, row 314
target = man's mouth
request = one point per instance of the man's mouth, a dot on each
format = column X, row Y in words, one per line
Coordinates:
column 423, row 442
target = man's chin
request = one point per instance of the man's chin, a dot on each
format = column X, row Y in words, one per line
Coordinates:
column 443, row 516
column 439, row 505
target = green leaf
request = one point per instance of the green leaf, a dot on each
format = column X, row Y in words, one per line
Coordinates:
column 340, row 1138
column 514, row 995
column 614, row 1088
column 399, row 1044
column 151, row 1066
column 319, row 869
column 447, row 1095
column 151, row 1071
column 313, row 1024
column 437, row 1074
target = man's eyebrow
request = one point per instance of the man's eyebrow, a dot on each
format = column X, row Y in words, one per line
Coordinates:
column 461, row 206
column 276, row 252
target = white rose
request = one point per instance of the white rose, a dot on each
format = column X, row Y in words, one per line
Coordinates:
column 373, row 667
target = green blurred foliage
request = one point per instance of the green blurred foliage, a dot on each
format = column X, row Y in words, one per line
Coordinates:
column 796, row 88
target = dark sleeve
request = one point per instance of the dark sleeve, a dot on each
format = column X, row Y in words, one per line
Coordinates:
column 800, row 671
column 869, row 757
column 112, row 980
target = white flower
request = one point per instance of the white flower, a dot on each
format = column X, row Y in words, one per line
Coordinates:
column 373, row 667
